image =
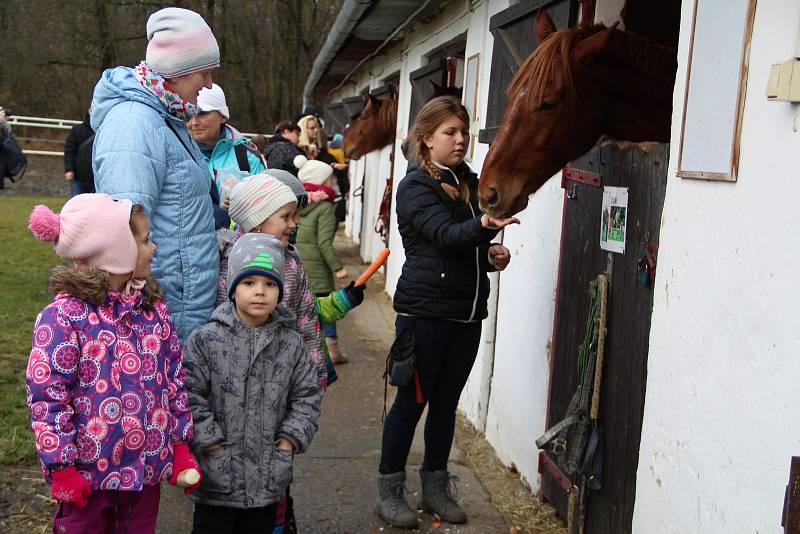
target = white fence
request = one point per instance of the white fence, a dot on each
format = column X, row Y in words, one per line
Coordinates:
column 42, row 122
column 59, row 124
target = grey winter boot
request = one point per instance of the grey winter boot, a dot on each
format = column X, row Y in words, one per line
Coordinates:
column 437, row 497
column 391, row 505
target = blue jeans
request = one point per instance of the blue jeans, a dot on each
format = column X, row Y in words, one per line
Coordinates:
column 329, row 330
column 79, row 188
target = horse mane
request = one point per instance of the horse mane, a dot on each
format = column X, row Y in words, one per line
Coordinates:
column 641, row 54
column 388, row 114
column 536, row 72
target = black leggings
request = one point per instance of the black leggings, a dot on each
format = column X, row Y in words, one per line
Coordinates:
column 445, row 352
column 225, row 520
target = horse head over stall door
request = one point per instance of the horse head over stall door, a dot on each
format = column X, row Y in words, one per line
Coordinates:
column 579, row 84
column 372, row 129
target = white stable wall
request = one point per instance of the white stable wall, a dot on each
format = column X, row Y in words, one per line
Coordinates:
column 723, row 401
column 352, row 225
column 377, row 170
column 372, row 187
column 518, row 403
column 474, row 403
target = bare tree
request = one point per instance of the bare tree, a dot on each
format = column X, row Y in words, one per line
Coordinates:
column 52, row 53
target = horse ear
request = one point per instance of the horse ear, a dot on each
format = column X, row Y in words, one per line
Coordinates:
column 543, row 26
column 588, row 49
column 373, row 101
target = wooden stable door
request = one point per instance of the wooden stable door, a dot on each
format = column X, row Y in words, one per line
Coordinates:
column 642, row 168
column 353, row 106
column 421, row 88
column 336, row 119
column 514, row 41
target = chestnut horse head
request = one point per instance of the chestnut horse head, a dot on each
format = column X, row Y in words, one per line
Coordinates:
column 579, row 84
column 371, row 129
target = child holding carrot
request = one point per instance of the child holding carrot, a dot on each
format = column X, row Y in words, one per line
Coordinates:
column 315, row 241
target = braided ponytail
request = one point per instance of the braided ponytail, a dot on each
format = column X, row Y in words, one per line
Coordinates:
column 428, row 120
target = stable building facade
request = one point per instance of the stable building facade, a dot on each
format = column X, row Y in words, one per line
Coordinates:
column 713, row 372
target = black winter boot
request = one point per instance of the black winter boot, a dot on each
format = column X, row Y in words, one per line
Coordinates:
column 438, row 499
column 391, row 505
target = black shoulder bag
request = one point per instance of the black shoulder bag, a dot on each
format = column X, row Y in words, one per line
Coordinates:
column 401, row 361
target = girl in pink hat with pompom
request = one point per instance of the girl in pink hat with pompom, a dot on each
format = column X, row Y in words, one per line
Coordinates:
column 105, row 380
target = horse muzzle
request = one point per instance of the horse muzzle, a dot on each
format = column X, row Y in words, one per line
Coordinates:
column 494, row 204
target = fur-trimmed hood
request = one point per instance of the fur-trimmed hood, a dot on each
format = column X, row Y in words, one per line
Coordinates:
column 91, row 285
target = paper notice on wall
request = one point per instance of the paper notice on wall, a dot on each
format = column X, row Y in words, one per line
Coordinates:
column 614, row 218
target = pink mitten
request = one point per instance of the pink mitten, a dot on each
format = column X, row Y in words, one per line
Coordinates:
column 316, row 196
column 182, row 460
column 69, row 486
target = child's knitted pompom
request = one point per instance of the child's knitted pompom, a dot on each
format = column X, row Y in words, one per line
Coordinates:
column 44, row 224
column 299, row 161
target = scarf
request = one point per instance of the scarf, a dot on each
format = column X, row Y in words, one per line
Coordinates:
column 329, row 193
column 156, row 84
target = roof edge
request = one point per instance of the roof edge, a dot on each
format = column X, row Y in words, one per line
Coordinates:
column 350, row 14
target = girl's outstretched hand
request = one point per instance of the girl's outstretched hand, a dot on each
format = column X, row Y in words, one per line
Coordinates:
column 495, row 223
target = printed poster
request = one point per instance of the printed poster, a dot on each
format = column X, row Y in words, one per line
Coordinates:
column 614, row 219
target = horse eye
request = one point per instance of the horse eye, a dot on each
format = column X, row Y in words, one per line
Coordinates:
column 547, row 106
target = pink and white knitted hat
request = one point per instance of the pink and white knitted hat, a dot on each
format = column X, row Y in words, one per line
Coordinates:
column 93, row 229
column 256, row 198
column 180, row 42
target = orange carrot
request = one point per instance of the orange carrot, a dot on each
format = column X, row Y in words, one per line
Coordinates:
column 373, row 267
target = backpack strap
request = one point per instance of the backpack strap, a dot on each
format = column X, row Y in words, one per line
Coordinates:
column 241, row 157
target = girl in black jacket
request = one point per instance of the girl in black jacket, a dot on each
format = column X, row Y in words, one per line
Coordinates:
column 441, row 295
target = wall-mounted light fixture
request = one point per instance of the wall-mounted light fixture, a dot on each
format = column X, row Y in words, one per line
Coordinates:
column 784, row 78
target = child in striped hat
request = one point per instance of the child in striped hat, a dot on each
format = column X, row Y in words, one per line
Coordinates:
column 263, row 204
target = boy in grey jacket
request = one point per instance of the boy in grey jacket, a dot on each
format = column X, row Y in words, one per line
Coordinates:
column 254, row 394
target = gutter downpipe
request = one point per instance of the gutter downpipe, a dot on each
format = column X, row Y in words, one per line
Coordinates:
column 350, row 14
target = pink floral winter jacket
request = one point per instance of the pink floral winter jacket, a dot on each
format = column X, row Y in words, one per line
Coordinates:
column 105, row 387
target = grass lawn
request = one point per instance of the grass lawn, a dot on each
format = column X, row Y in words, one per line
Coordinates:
column 25, row 265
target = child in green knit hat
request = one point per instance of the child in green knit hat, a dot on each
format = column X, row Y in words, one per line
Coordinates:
column 254, row 393
column 271, row 203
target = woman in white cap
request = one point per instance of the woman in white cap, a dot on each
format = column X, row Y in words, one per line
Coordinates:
column 228, row 154
column 143, row 151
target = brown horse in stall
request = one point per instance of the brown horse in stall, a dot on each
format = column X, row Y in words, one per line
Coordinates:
column 579, row 84
column 372, row 129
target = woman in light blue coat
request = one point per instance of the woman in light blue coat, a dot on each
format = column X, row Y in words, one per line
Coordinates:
column 143, row 152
